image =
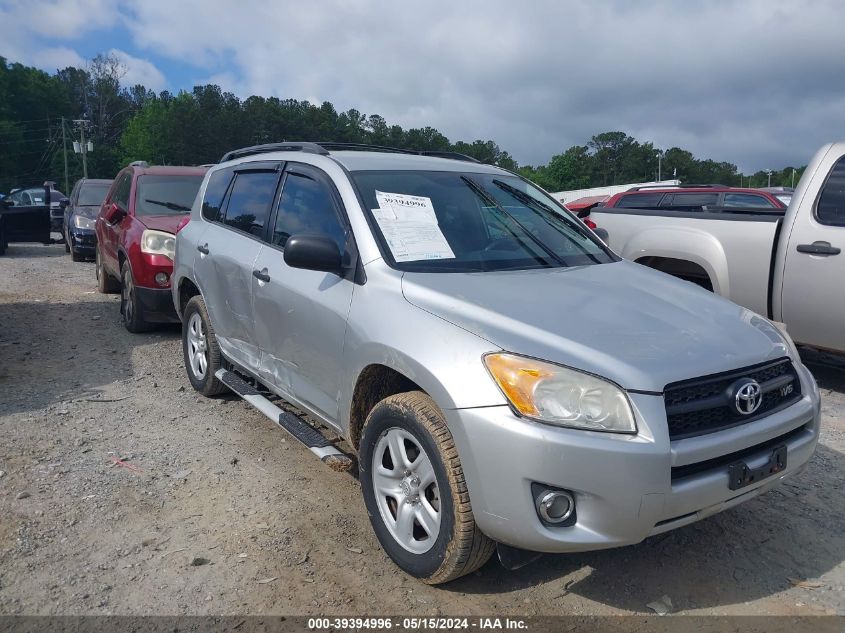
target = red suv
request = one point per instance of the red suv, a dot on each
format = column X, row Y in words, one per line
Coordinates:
column 694, row 198
column 136, row 227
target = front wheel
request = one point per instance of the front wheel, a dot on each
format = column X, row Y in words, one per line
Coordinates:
column 105, row 282
column 130, row 310
column 200, row 349
column 415, row 492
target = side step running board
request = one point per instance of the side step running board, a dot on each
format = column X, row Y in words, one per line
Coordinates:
column 293, row 424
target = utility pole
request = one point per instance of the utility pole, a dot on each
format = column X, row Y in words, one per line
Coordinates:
column 84, row 147
column 64, row 152
column 793, row 177
column 769, row 174
column 659, row 164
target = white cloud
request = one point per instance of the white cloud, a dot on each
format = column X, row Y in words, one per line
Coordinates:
column 139, row 71
column 756, row 82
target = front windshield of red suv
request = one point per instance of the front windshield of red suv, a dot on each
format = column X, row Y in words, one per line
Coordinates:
column 166, row 195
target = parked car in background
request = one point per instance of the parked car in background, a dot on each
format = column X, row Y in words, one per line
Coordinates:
column 694, row 198
column 784, row 194
column 787, row 267
column 135, row 231
column 80, row 217
column 431, row 311
column 22, row 219
column 35, row 196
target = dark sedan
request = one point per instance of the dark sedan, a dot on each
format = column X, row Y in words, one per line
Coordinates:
column 80, row 214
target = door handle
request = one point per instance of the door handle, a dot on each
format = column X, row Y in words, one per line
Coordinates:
column 203, row 248
column 818, row 248
column 261, row 275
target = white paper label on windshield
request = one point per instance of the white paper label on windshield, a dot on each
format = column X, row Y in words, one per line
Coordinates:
column 410, row 227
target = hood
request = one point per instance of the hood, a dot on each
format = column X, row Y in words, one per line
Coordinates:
column 166, row 223
column 635, row 326
column 89, row 211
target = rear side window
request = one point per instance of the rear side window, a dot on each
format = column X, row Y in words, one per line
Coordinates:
column 215, row 191
column 640, row 201
column 693, row 200
column 306, row 206
column 748, row 200
column 831, row 206
column 250, row 201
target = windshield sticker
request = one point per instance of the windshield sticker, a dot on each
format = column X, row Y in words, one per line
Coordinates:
column 404, row 207
column 410, row 227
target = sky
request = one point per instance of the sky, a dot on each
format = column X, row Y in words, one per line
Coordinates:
column 759, row 83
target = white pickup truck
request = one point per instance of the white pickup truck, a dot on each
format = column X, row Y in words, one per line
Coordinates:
column 789, row 267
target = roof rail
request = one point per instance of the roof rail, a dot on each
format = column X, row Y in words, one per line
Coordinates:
column 323, row 148
column 311, row 148
column 452, row 155
column 339, row 146
column 683, row 186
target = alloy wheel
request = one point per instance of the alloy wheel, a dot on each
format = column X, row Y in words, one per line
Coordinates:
column 197, row 346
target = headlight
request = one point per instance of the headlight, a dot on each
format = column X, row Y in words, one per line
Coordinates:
column 83, row 222
column 558, row 395
column 158, row 243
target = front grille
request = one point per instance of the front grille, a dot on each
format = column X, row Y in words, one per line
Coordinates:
column 705, row 405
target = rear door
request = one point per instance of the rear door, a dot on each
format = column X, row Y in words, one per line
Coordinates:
column 300, row 315
column 813, row 304
column 227, row 251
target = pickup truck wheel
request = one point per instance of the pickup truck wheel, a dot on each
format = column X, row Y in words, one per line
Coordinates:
column 105, row 282
column 200, row 348
column 130, row 310
column 415, row 492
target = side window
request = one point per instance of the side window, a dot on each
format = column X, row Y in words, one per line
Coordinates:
column 250, row 201
column 215, row 191
column 121, row 192
column 747, row 200
column 640, row 201
column 831, row 206
column 306, row 206
column 694, row 200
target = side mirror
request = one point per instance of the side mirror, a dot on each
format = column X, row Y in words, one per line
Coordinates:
column 6, row 203
column 114, row 213
column 64, row 203
column 313, row 252
column 602, row 233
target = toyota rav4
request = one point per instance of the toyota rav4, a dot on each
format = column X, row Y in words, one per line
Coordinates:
column 429, row 310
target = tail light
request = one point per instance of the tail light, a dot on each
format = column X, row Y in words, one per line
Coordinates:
column 183, row 223
column 590, row 224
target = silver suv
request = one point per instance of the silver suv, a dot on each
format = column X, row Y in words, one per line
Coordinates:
column 505, row 379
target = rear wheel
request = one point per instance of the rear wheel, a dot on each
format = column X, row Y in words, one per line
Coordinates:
column 200, row 349
column 130, row 310
column 105, row 282
column 415, row 491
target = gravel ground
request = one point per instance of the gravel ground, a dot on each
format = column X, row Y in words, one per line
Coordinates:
column 215, row 511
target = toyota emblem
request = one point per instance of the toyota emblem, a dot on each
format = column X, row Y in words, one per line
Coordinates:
column 748, row 397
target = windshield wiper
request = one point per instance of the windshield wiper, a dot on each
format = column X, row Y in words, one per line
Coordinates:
column 482, row 193
column 539, row 207
column 170, row 205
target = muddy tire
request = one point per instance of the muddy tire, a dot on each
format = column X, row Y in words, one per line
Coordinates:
column 106, row 284
column 200, row 349
column 415, row 492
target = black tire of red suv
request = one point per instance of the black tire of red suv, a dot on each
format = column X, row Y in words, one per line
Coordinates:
column 130, row 310
column 460, row 547
column 196, row 314
column 105, row 282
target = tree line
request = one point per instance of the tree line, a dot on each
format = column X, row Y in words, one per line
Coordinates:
column 42, row 114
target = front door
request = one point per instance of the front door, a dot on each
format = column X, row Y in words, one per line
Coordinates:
column 813, row 304
column 300, row 315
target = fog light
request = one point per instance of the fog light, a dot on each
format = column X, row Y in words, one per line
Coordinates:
column 555, row 506
column 162, row 279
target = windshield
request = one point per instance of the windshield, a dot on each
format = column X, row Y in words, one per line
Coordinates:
column 166, row 195
column 93, row 194
column 432, row 221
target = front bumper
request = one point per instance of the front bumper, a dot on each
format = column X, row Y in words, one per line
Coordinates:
column 83, row 242
column 623, row 484
column 156, row 305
